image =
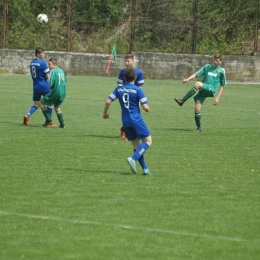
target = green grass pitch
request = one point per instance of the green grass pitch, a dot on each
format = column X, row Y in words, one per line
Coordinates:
column 69, row 193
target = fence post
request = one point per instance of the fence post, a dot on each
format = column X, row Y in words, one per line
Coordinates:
column 69, row 28
column 194, row 29
column 5, row 12
column 256, row 26
column 132, row 24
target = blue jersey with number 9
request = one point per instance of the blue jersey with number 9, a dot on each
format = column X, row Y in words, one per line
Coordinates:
column 129, row 96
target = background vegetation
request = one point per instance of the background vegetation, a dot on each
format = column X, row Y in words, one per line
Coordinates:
column 163, row 26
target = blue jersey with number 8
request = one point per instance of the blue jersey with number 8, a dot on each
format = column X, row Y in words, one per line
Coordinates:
column 39, row 69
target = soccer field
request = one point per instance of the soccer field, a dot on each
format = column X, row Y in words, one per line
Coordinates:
column 69, row 193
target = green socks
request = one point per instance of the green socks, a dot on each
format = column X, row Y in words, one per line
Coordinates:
column 46, row 114
column 60, row 117
column 197, row 119
column 190, row 93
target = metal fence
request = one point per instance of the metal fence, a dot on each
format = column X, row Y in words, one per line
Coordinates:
column 143, row 28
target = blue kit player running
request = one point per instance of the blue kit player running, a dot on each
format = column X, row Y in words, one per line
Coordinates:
column 40, row 74
column 139, row 80
column 129, row 96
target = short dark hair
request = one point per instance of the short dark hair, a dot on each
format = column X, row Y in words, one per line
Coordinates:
column 53, row 61
column 38, row 50
column 129, row 74
column 129, row 56
column 218, row 56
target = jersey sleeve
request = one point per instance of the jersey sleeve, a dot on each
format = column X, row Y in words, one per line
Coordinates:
column 113, row 95
column 142, row 97
column 201, row 72
column 120, row 79
column 139, row 79
column 45, row 68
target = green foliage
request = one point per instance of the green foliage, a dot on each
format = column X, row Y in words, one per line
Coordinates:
column 165, row 26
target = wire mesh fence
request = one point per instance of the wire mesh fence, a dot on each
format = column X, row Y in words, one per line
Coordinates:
column 198, row 26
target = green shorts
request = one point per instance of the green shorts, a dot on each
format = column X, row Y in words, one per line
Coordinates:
column 49, row 101
column 205, row 92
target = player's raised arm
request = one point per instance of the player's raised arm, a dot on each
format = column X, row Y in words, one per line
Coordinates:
column 193, row 76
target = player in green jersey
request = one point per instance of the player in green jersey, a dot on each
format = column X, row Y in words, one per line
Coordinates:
column 57, row 82
column 212, row 85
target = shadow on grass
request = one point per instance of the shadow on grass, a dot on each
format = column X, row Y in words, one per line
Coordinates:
column 32, row 125
column 105, row 136
column 98, row 171
column 177, row 129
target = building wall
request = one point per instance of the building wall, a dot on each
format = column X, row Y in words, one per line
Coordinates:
column 153, row 65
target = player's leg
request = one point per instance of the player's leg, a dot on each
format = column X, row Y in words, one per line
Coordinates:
column 32, row 109
column 46, row 101
column 197, row 115
column 59, row 113
column 199, row 100
column 141, row 131
column 135, row 144
column 122, row 134
column 190, row 93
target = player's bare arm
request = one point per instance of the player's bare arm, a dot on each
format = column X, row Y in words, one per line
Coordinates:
column 193, row 76
column 216, row 100
column 106, row 107
column 145, row 107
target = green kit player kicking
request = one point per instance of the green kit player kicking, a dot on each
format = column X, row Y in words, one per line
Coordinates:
column 214, row 79
column 57, row 82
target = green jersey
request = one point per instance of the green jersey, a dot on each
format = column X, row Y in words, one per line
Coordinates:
column 57, row 82
column 215, row 77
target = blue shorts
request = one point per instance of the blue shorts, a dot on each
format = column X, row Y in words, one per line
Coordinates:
column 38, row 96
column 136, row 130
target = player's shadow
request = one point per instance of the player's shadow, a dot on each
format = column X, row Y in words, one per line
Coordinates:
column 29, row 126
column 177, row 129
column 104, row 136
column 97, row 171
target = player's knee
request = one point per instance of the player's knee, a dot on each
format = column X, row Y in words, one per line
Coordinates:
column 198, row 85
column 197, row 108
column 149, row 141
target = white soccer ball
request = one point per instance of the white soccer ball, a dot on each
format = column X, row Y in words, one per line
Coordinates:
column 42, row 18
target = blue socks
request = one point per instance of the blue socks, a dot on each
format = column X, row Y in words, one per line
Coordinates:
column 142, row 161
column 34, row 108
column 31, row 110
column 140, row 150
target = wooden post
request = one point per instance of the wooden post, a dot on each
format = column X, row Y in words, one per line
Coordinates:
column 69, row 27
column 132, row 24
column 194, row 30
column 5, row 12
column 256, row 25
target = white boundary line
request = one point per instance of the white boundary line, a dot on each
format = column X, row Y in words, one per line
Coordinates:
column 87, row 222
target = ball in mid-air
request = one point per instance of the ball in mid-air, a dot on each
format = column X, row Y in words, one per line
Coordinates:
column 42, row 18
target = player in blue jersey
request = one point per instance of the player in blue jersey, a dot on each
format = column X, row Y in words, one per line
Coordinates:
column 40, row 74
column 129, row 96
column 139, row 80
column 212, row 85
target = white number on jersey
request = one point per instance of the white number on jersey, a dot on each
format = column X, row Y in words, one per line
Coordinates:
column 126, row 100
column 61, row 78
column 34, row 72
